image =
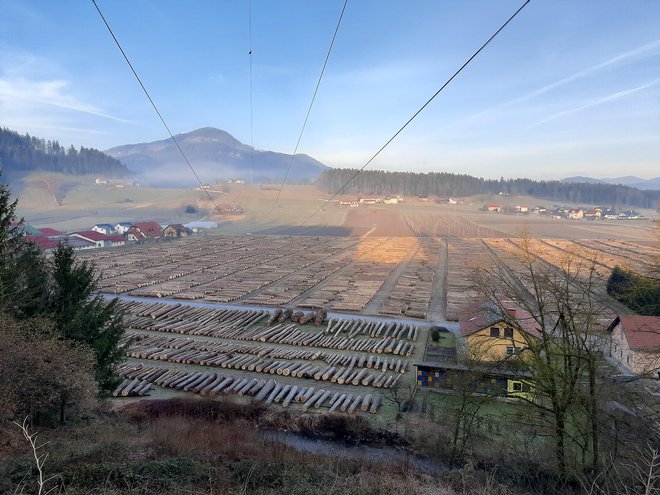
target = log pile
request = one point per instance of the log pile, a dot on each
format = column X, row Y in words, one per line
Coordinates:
column 413, row 289
column 465, row 256
column 340, row 368
column 354, row 286
column 378, row 337
column 132, row 388
column 267, row 391
column 242, row 351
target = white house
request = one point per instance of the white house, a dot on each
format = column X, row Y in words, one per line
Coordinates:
column 122, row 227
column 103, row 228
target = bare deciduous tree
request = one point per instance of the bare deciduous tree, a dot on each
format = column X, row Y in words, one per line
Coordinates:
column 566, row 306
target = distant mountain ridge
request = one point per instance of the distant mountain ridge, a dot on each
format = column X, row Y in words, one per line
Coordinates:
column 628, row 180
column 215, row 154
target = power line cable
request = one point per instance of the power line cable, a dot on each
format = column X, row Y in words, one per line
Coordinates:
column 153, row 104
column 474, row 55
column 251, row 192
column 311, row 103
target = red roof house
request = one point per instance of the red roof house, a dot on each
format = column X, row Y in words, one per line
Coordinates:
column 42, row 242
column 142, row 231
column 635, row 343
column 51, row 233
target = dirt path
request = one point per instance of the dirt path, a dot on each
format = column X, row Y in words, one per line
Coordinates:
column 385, row 289
column 438, row 301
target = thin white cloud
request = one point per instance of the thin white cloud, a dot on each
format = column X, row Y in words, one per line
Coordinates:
column 643, row 51
column 597, row 102
column 18, row 92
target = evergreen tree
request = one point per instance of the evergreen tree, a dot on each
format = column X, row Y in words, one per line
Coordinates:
column 80, row 314
column 10, row 244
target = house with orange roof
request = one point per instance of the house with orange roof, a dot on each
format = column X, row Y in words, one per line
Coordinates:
column 635, row 343
column 490, row 336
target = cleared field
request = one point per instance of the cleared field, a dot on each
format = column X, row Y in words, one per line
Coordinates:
column 273, row 356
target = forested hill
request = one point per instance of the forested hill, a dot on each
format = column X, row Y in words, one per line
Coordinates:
column 451, row 185
column 20, row 153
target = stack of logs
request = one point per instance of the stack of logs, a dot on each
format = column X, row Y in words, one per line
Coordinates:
column 267, row 391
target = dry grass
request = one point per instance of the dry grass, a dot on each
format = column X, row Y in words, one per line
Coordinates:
column 212, row 449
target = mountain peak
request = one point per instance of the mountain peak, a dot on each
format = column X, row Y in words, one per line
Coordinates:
column 210, row 133
column 215, row 154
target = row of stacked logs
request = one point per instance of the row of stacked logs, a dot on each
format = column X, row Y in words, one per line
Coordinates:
column 381, row 337
column 375, row 329
column 267, row 391
column 355, row 369
column 132, row 388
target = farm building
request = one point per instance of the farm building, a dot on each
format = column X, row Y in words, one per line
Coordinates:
column 494, row 208
column 488, row 336
column 51, row 233
column 574, row 214
column 143, row 231
column 25, row 229
column 42, row 242
column 122, row 227
column 499, row 382
column 78, row 244
column 591, row 214
column 103, row 228
column 100, row 240
column 200, row 225
column 349, row 204
column 176, row 230
column 635, row 343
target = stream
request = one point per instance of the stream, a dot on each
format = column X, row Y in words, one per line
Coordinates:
column 357, row 452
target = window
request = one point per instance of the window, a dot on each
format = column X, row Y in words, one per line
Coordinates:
column 517, row 387
column 508, row 332
column 494, row 332
column 511, row 350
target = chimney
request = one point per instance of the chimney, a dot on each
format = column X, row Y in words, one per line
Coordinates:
column 512, row 312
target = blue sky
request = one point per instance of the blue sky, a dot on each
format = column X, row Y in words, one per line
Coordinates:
column 570, row 87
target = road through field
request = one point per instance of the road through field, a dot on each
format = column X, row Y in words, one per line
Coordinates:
column 438, row 302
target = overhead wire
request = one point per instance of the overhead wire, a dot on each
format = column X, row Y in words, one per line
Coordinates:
column 251, row 192
column 311, row 103
column 153, row 104
column 454, row 75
